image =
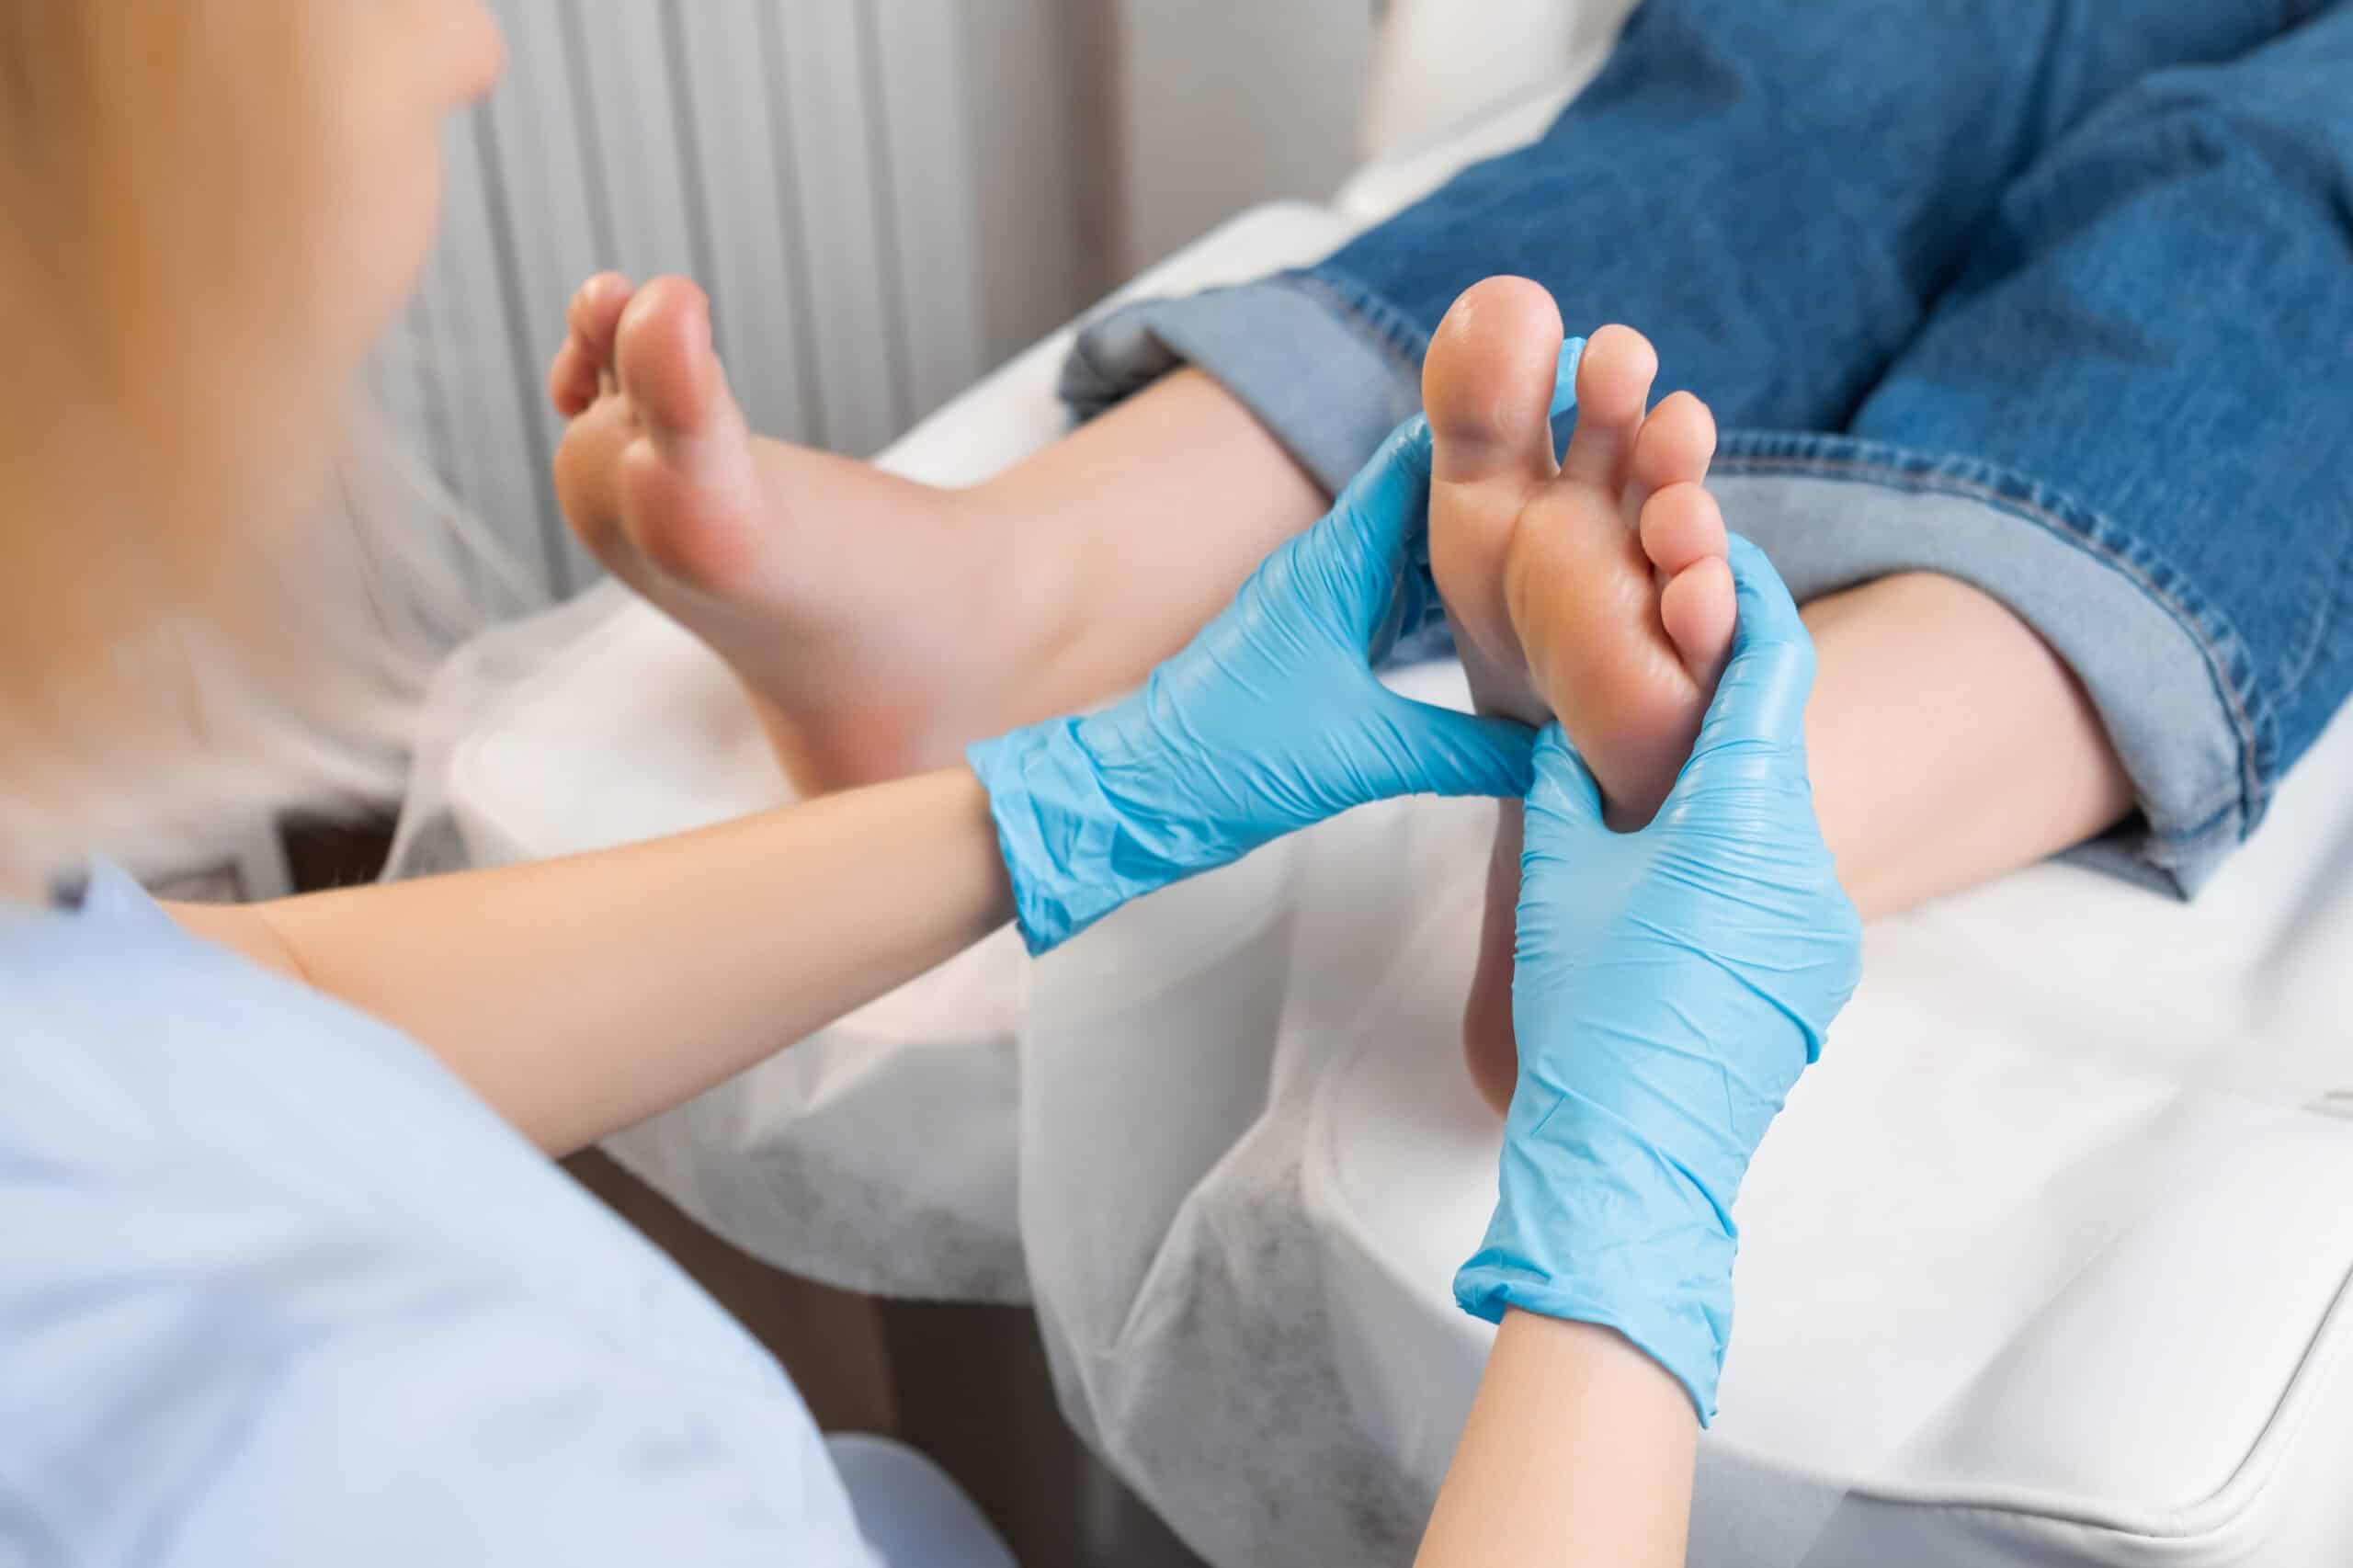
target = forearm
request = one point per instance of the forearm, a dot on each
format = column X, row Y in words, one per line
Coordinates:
column 1579, row 1449
column 581, row 994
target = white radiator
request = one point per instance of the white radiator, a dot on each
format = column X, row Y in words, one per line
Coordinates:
column 808, row 160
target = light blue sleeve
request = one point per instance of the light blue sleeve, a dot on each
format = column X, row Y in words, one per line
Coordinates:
column 277, row 1289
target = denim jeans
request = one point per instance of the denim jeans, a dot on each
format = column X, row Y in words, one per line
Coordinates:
column 2051, row 295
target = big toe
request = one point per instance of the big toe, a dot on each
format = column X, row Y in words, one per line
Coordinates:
column 666, row 365
column 1487, row 383
column 593, row 316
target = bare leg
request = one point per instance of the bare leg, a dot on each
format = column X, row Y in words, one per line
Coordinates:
column 881, row 625
column 1948, row 742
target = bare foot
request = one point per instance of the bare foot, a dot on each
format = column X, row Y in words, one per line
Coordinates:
column 805, row 570
column 1596, row 590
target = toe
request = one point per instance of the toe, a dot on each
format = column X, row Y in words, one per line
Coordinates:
column 1613, row 388
column 691, row 499
column 1680, row 525
column 1487, row 389
column 663, row 357
column 1674, row 446
column 1683, row 534
column 595, row 314
column 571, row 380
column 577, row 378
column 1487, row 383
column 1696, row 609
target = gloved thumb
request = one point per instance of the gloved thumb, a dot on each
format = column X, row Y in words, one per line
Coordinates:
column 1388, row 500
column 1564, row 800
column 1442, row 751
column 1760, row 702
column 1564, row 376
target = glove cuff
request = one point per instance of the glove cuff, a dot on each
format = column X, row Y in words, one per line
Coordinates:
column 1594, row 1225
column 1066, row 847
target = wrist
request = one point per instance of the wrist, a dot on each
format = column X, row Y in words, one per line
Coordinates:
column 1070, row 853
column 1595, row 1225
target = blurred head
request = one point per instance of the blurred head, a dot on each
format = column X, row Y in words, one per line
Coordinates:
column 215, row 207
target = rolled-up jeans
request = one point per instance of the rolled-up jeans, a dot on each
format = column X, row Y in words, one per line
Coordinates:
column 2053, row 297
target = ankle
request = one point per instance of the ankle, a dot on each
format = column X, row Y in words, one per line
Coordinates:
column 1027, row 576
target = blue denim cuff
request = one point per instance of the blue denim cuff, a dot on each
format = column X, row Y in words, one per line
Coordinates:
column 1328, row 368
column 2159, row 666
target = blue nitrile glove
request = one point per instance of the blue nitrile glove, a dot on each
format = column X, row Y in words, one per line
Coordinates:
column 1270, row 721
column 1671, row 986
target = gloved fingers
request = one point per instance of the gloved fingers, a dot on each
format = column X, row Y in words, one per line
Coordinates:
column 1564, row 380
column 1761, row 699
column 1564, row 800
column 1374, row 524
column 1442, row 751
column 1389, row 498
column 1411, row 596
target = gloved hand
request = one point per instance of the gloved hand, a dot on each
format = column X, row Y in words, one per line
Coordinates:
column 1671, row 986
column 1270, row 721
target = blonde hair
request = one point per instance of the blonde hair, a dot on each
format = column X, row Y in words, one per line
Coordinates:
column 220, row 585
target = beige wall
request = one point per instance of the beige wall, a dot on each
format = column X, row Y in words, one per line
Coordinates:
column 1040, row 125
column 1226, row 103
column 1114, row 132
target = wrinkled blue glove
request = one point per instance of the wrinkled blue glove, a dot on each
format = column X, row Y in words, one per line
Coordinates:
column 1671, row 986
column 1270, row 721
